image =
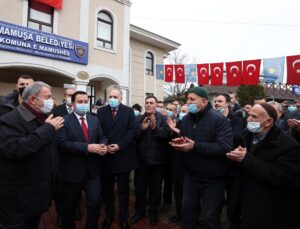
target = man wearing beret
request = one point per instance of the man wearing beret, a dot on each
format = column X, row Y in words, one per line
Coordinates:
column 206, row 138
column 263, row 194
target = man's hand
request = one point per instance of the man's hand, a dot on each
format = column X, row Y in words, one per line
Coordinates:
column 103, row 149
column 97, row 148
column 294, row 123
column 172, row 125
column 183, row 144
column 237, row 154
column 57, row 122
column 153, row 121
column 113, row 148
column 146, row 123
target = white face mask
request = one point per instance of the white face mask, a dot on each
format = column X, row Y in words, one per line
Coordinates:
column 254, row 127
column 48, row 105
column 69, row 101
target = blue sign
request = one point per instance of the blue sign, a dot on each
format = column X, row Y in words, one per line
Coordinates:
column 34, row 42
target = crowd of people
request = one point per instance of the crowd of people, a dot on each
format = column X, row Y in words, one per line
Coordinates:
column 206, row 152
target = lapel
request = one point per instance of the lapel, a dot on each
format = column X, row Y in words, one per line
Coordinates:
column 90, row 126
column 77, row 126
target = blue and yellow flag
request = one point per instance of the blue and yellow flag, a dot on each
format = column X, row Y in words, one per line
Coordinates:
column 191, row 73
column 273, row 69
column 160, row 72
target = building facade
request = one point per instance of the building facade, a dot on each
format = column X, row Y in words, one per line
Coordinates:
column 88, row 44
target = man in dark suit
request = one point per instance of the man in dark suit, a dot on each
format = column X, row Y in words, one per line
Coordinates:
column 65, row 108
column 118, row 124
column 81, row 141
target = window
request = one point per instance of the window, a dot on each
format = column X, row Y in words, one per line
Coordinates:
column 90, row 90
column 147, row 94
column 40, row 16
column 149, row 63
column 104, row 30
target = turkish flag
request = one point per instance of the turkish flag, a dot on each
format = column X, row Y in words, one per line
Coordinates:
column 216, row 72
column 203, row 74
column 293, row 70
column 251, row 69
column 54, row 3
column 179, row 73
column 169, row 68
column 234, row 73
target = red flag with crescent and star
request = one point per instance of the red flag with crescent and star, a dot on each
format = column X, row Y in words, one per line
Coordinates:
column 251, row 69
column 216, row 72
column 179, row 73
column 234, row 73
column 54, row 3
column 203, row 74
column 169, row 68
column 293, row 70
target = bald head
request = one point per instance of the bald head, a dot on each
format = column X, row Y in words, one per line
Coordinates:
column 259, row 114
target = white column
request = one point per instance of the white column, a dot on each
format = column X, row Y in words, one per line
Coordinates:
column 84, row 20
column 80, row 85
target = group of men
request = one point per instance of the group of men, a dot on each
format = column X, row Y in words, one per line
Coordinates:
column 48, row 153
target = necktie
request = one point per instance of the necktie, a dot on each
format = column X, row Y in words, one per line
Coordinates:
column 113, row 113
column 84, row 129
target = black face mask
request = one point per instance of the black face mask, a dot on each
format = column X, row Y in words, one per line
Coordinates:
column 21, row 90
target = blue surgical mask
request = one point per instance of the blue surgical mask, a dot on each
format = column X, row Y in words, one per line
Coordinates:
column 48, row 105
column 254, row 127
column 292, row 108
column 170, row 114
column 113, row 103
column 193, row 108
column 158, row 109
column 222, row 110
column 136, row 113
column 181, row 115
column 81, row 108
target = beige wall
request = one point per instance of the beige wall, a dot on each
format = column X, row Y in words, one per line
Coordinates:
column 69, row 19
column 13, row 12
column 139, row 80
column 101, row 57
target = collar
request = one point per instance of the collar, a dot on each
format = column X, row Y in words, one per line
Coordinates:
column 35, row 113
column 79, row 116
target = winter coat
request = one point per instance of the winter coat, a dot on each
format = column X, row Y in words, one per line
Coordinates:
column 263, row 192
column 27, row 161
column 152, row 144
column 212, row 134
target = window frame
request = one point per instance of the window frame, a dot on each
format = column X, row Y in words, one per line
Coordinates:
column 111, row 23
column 40, row 23
column 147, row 70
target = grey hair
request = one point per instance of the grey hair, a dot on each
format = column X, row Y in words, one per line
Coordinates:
column 34, row 89
column 278, row 105
column 115, row 87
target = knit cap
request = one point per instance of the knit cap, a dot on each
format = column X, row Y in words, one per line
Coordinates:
column 199, row 91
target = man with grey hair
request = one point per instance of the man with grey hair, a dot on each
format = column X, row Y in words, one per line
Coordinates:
column 269, row 162
column 277, row 106
column 118, row 125
column 27, row 158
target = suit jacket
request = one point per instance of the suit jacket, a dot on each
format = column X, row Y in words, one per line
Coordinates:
column 60, row 110
column 76, row 162
column 120, row 130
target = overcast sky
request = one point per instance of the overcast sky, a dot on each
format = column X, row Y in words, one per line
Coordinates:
column 224, row 30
